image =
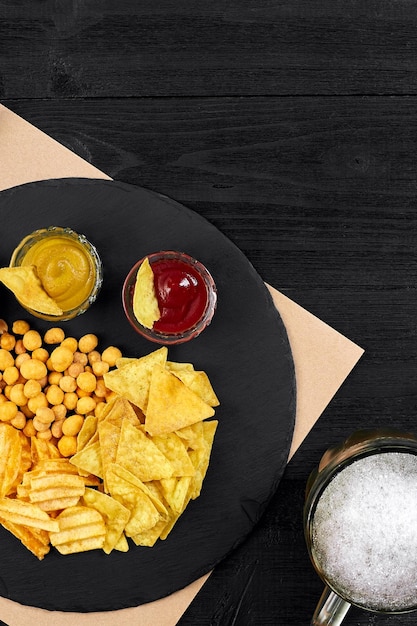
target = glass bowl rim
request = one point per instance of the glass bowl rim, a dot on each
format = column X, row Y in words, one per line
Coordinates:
column 189, row 333
column 65, row 231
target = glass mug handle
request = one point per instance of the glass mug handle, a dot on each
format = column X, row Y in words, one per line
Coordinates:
column 331, row 609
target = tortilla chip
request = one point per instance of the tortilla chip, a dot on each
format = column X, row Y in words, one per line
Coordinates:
column 87, row 432
column 193, row 436
column 137, row 453
column 200, row 457
column 149, row 537
column 108, row 434
column 115, row 516
column 172, row 405
column 175, row 492
column 173, row 448
column 89, row 459
column 169, row 525
column 175, row 366
column 199, row 382
column 120, row 410
column 122, row 545
column 127, row 489
column 26, row 285
column 132, row 380
column 145, row 303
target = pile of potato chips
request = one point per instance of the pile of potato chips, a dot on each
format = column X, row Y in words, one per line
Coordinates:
column 136, row 469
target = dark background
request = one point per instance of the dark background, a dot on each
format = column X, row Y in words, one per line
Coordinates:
column 291, row 126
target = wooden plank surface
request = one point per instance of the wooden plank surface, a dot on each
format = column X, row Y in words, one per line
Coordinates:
column 187, row 47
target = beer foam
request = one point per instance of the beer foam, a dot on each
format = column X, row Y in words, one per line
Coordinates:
column 364, row 531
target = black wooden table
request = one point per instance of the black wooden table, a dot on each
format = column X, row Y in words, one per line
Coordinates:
column 291, row 126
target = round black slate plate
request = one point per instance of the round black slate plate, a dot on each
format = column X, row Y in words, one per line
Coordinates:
column 245, row 351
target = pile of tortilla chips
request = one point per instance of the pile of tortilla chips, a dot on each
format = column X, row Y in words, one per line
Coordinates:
column 136, row 468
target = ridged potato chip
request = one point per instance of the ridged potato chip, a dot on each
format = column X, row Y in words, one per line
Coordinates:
column 10, row 457
column 53, row 492
column 27, row 514
column 80, row 529
column 37, row 541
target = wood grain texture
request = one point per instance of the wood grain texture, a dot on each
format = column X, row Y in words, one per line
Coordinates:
column 78, row 49
column 292, row 127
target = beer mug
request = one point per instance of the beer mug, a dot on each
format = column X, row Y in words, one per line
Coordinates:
column 360, row 525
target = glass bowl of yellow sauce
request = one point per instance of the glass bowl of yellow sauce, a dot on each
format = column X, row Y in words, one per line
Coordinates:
column 68, row 266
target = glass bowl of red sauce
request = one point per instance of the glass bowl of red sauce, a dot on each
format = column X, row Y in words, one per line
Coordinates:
column 186, row 295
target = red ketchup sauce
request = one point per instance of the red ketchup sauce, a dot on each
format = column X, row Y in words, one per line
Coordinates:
column 181, row 294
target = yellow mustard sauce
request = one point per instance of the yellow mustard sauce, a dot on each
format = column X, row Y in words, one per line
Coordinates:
column 65, row 269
